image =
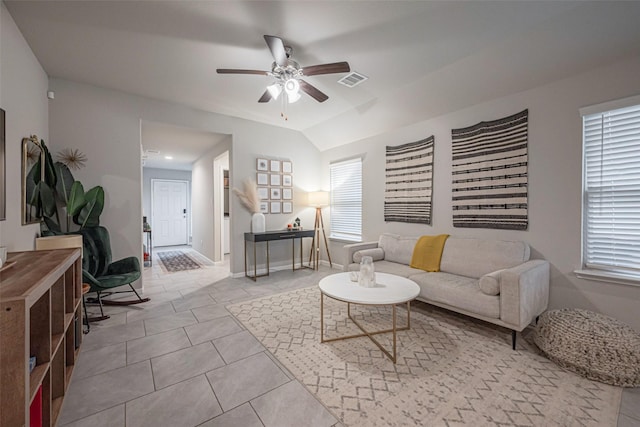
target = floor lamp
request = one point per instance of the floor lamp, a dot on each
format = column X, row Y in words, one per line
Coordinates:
column 319, row 199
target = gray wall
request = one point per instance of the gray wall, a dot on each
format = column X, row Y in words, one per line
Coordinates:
column 105, row 125
column 23, row 95
column 555, row 180
column 203, row 200
column 279, row 143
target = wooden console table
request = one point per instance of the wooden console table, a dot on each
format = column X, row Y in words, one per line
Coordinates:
column 268, row 236
column 40, row 315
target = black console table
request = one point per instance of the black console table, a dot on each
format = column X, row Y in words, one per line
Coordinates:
column 268, row 236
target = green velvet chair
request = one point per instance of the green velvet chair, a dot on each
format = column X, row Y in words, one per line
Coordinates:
column 103, row 275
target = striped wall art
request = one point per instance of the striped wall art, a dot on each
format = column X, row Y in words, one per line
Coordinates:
column 489, row 170
column 408, row 182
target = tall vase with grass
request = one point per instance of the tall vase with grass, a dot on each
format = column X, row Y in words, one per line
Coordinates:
column 250, row 200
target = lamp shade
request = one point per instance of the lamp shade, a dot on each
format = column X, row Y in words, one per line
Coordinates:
column 274, row 90
column 319, row 198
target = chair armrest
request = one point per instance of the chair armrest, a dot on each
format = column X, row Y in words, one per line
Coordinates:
column 351, row 249
column 92, row 281
column 123, row 266
column 524, row 292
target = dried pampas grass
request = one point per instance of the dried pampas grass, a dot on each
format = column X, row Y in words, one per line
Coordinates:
column 249, row 197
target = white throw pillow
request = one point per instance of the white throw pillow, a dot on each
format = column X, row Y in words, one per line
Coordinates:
column 376, row 253
column 490, row 283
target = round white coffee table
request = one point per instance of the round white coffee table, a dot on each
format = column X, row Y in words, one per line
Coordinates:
column 389, row 290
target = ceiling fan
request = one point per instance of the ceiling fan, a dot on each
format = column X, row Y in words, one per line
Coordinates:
column 288, row 74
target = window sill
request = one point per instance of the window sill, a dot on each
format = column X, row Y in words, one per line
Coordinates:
column 608, row 276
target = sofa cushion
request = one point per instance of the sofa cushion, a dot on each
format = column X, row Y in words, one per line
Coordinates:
column 490, row 283
column 377, row 254
column 457, row 291
column 477, row 257
column 397, row 248
column 389, row 267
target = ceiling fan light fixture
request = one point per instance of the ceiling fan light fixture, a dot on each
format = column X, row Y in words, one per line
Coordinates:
column 293, row 97
column 292, row 86
column 275, row 90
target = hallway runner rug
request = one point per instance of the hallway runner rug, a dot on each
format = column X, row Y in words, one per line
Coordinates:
column 451, row 370
column 173, row 261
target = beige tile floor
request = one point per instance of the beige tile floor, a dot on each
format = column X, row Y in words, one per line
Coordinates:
column 182, row 360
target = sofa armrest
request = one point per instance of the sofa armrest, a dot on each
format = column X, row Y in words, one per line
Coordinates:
column 351, row 249
column 524, row 293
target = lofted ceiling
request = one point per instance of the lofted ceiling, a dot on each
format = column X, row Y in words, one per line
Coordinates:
column 423, row 58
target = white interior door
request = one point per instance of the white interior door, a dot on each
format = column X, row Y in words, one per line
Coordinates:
column 169, row 215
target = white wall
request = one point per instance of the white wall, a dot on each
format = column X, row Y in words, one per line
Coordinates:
column 155, row 173
column 23, row 95
column 105, row 125
column 555, row 180
column 279, row 143
column 202, row 204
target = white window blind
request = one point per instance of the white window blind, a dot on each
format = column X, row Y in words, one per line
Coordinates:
column 346, row 200
column 611, row 223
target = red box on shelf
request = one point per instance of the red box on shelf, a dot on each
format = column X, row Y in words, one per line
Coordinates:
column 35, row 410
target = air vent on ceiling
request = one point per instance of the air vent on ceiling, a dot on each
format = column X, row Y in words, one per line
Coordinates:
column 152, row 151
column 352, row 79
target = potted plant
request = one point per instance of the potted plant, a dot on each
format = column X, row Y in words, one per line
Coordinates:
column 60, row 200
column 250, row 200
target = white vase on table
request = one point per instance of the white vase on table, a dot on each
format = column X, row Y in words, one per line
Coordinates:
column 367, row 276
column 258, row 223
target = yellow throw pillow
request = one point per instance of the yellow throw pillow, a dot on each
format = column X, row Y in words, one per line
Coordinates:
column 428, row 252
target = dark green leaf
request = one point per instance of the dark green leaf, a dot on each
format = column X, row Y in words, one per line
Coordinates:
column 49, row 168
column 47, row 199
column 35, row 200
column 64, row 182
column 89, row 215
column 76, row 199
column 35, row 172
column 30, row 184
column 51, row 226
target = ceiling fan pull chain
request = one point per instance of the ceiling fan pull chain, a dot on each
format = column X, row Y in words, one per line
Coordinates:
column 285, row 102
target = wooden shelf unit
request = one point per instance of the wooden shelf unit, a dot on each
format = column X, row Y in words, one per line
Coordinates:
column 40, row 307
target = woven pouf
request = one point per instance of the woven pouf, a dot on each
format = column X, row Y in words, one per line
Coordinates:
column 595, row 346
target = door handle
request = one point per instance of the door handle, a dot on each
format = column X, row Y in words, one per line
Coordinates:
column 184, row 211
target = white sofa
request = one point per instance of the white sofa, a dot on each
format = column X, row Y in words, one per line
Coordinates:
column 491, row 280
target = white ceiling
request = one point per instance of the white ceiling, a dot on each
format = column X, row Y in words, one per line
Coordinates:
column 423, row 59
column 184, row 145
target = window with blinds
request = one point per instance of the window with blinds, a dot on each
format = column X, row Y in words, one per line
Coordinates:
column 611, row 223
column 346, row 200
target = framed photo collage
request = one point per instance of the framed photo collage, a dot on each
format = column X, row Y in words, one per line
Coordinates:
column 275, row 185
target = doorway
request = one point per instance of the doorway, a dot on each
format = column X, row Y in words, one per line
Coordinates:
column 221, row 218
column 169, row 201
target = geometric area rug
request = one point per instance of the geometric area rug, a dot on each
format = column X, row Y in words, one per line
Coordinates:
column 173, row 261
column 451, row 370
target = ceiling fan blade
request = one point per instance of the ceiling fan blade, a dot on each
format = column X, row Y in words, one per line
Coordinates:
column 266, row 96
column 313, row 91
column 234, row 71
column 276, row 46
column 336, row 67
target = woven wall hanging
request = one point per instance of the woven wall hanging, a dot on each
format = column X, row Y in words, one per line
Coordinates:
column 409, row 182
column 489, row 171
